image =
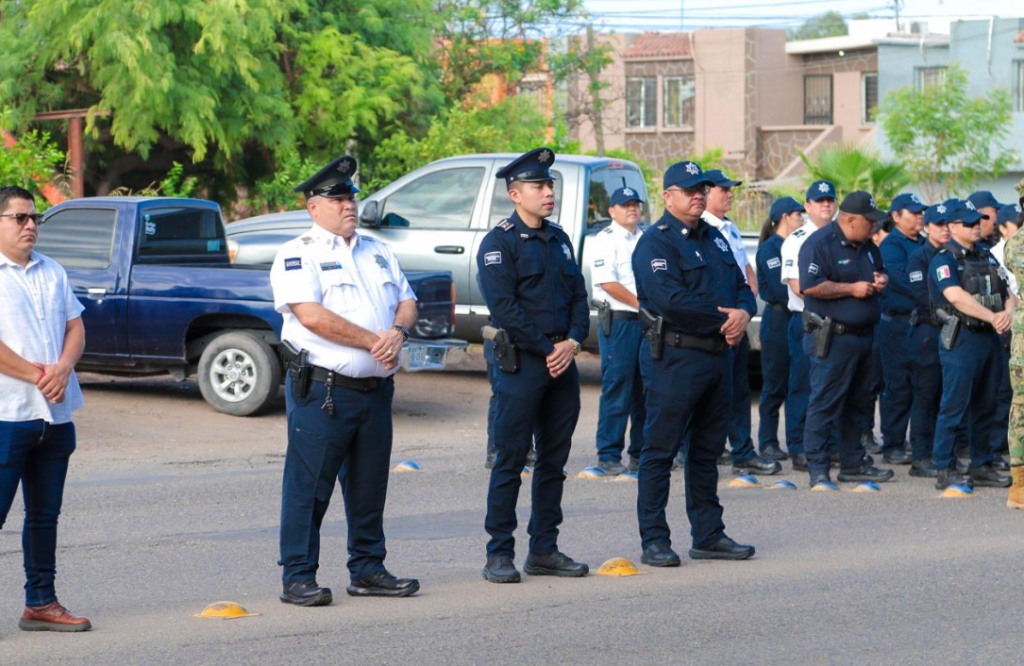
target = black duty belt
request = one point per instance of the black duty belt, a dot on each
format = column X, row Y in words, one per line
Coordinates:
column 779, row 307
column 362, row 384
column 895, row 315
column 713, row 344
column 623, row 314
column 845, row 329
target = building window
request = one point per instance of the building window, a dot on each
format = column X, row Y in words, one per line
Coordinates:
column 929, row 76
column 818, row 99
column 1018, row 87
column 641, row 102
column 678, row 101
column 868, row 96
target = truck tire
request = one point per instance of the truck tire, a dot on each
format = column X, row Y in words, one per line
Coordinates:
column 239, row 374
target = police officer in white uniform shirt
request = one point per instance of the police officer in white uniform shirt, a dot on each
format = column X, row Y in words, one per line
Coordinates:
column 41, row 339
column 821, row 208
column 610, row 252
column 347, row 310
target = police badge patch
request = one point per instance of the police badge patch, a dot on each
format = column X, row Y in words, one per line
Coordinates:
column 722, row 245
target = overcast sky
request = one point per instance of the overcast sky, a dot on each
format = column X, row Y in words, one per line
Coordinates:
column 639, row 15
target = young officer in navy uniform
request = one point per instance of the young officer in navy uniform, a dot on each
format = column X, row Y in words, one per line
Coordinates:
column 696, row 305
column 897, row 304
column 537, row 297
column 841, row 273
column 347, row 310
column 784, row 217
column 622, row 391
column 923, row 348
column 970, row 294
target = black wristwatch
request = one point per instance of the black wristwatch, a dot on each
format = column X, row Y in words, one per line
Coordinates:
column 403, row 330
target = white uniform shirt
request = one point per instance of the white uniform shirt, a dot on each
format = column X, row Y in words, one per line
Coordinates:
column 735, row 238
column 360, row 282
column 791, row 261
column 611, row 260
column 36, row 304
column 1011, row 280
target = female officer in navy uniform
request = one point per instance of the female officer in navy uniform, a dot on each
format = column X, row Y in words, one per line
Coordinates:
column 784, row 217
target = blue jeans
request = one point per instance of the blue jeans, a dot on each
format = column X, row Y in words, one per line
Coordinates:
column 35, row 454
column 622, row 392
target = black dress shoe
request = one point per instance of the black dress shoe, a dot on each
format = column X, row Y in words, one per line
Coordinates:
column 897, row 457
column 833, row 460
column 500, row 569
column 868, row 441
column 634, row 464
column 988, row 477
column 865, row 473
column 306, row 593
column 724, row 549
column 554, row 564
column 660, row 555
column 383, row 584
column 611, row 467
column 800, row 463
column 962, row 466
column 924, row 468
column 951, row 477
column 772, row 452
column 999, row 463
column 492, row 455
column 820, row 477
column 757, row 465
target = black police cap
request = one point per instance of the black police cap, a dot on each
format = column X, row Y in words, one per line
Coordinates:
column 333, row 181
column 862, row 203
column 531, row 167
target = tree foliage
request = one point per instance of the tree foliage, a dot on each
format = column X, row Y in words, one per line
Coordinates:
column 851, row 168
column 31, row 163
column 949, row 138
column 827, row 24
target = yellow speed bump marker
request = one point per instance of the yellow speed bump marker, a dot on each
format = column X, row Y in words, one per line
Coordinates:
column 958, row 490
column 628, row 477
column 745, row 481
column 867, row 487
column 591, row 473
column 408, row 466
column 224, row 610
column 618, row 566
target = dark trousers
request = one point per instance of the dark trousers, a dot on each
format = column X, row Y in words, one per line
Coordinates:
column 622, row 392
column 926, row 383
column 898, row 394
column 1004, row 397
column 840, row 394
column 970, row 381
column 799, row 389
column 877, row 386
column 739, row 399
column 529, row 402
column 686, row 389
column 352, row 446
column 775, row 383
column 492, row 402
column 35, row 455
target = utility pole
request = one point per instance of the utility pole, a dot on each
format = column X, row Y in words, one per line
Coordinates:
column 896, row 6
column 681, row 8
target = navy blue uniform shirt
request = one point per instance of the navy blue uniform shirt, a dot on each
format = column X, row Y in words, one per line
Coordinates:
column 898, row 296
column 828, row 256
column 945, row 271
column 685, row 274
column 532, row 284
column 917, row 272
column 769, row 272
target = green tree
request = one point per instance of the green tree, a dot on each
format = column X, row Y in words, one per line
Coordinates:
column 828, row 24
column 32, row 162
column 949, row 138
column 588, row 57
column 851, row 168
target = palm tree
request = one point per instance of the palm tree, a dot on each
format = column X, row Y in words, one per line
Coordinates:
column 850, row 167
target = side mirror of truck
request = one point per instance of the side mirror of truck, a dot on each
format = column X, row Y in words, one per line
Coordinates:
column 370, row 215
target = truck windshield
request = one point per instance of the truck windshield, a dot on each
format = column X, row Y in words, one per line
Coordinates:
column 604, row 181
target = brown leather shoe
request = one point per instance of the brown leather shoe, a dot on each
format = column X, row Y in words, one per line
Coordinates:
column 1016, row 498
column 52, row 617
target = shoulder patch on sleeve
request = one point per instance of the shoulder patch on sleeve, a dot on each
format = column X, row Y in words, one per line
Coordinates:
column 942, row 272
column 492, row 258
column 599, row 263
column 774, row 262
column 293, row 264
column 606, row 230
column 663, row 227
column 916, row 276
column 505, row 225
column 799, row 232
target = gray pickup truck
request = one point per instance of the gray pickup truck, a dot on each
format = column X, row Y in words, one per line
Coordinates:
column 435, row 218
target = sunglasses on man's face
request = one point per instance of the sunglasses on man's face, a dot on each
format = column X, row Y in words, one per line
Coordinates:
column 691, row 191
column 23, row 218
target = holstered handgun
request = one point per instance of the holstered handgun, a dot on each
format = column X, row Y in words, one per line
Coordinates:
column 298, row 368
column 604, row 316
column 654, row 331
column 820, row 329
column 506, row 354
column 950, row 329
column 915, row 318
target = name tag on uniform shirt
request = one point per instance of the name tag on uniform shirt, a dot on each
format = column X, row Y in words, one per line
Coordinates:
column 330, row 266
column 774, row 263
column 293, row 264
column 659, row 265
column 599, row 262
column 492, row 258
column 916, row 276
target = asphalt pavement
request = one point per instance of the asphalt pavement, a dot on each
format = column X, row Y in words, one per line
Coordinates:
column 171, row 506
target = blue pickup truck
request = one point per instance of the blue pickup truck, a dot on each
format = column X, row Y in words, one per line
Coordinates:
column 161, row 295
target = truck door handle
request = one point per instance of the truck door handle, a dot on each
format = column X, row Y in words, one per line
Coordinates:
column 450, row 249
column 96, row 292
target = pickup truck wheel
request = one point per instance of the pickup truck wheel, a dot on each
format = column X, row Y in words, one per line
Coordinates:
column 239, row 374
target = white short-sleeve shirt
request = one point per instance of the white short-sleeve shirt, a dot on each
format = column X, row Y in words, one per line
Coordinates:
column 998, row 251
column 359, row 281
column 36, row 303
column 791, row 261
column 735, row 238
column 610, row 252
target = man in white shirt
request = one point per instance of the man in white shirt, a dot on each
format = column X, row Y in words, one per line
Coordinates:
column 610, row 252
column 821, row 208
column 1006, row 225
column 347, row 310
column 41, row 340
column 744, row 457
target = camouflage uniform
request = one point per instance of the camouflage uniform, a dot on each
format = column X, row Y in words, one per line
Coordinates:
column 1014, row 255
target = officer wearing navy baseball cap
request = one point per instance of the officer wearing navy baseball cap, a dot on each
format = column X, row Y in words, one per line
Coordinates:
column 897, row 303
column 986, row 204
column 975, row 306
